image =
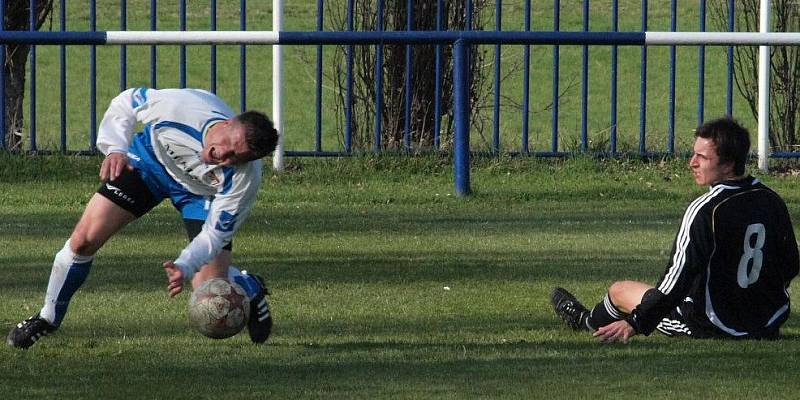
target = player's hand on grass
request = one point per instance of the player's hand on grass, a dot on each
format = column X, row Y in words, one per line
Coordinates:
column 175, row 278
column 619, row 331
column 113, row 165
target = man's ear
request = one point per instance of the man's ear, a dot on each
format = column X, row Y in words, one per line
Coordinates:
column 729, row 168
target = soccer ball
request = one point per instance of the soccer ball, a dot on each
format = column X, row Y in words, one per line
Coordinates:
column 219, row 308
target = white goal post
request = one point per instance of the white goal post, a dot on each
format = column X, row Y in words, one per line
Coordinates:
column 277, row 85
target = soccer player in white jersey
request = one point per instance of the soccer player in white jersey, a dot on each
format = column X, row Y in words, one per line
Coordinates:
column 732, row 259
column 193, row 150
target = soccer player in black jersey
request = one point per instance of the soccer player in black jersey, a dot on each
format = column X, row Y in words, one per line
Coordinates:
column 732, row 259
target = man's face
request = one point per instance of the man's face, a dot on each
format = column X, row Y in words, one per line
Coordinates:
column 705, row 163
column 225, row 144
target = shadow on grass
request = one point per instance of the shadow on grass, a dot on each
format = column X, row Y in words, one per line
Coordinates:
column 273, row 223
column 22, row 273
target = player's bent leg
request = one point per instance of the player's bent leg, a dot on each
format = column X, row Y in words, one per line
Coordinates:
column 605, row 312
column 68, row 273
column 216, row 268
column 100, row 220
column 626, row 295
column 259, row 326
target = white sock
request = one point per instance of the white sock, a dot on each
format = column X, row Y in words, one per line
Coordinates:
column 67, row 275
column 247, row 282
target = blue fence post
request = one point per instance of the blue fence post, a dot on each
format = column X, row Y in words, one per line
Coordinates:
column 461, row 116
column 585, row 82
column 93, row 79
column 613, row 100
column 407, row 81
column 643, row 88
column 526, row 79
column 437, row 101
column 62, row 78
column 468, row 25
column 153, row 51
column 318, row 88
column 731, row 22
column 556, row 27
column 673, row 26
column 379, row 82
column 32, row 120
column 243, row 58
column 182, row 51
column 498, row 26
column 348, row 106
column 2, row 79
column 213, row 72
column 123, row 49
column 701, row 68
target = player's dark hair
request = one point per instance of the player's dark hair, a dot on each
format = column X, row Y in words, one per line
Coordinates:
column 731, row 139
column 260, row 134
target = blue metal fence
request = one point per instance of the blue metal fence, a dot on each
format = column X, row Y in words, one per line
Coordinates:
column 554, row 148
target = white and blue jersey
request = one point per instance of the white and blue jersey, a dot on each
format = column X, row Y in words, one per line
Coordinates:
column 167, row 155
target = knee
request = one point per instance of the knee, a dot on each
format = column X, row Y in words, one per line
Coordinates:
column 616, row 291
column 626, row 295
column 82, row 244
column 623, row 294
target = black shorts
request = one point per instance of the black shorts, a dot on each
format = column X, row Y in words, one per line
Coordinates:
column 681, row 322
column 130, row 192
column 674, row 325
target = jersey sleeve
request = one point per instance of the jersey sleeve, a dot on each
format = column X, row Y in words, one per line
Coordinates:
column 119, row 121
column 229, row 209
column 691, row 252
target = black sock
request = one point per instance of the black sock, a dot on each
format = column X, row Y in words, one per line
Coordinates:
column 604, row 313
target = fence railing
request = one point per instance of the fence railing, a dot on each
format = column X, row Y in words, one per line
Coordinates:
column 89, row 20
column 460, row 40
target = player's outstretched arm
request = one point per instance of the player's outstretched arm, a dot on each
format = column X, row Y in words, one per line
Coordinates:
column 619, row 331
column 174, row 277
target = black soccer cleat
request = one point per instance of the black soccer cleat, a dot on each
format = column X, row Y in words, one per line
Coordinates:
column 569, row 309
column 29, row 331
column 260, row 323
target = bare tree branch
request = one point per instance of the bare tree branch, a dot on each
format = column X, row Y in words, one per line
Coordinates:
column 784, row 73
column 17, row 15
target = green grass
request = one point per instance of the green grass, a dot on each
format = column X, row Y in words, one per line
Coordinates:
column 358, row 253
column 299, row 75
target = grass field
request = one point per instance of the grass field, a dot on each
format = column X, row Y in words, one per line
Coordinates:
column 385, row 285
column 358, row 254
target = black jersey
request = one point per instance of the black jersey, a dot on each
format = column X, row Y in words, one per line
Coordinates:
column 732, row 261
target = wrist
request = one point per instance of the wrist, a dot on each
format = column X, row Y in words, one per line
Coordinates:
column 186, row 272
column 115, row 150
column 634, row 321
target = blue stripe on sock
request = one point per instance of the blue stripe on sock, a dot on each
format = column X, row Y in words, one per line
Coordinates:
column 76, row 275
column 248, row 283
